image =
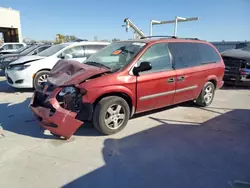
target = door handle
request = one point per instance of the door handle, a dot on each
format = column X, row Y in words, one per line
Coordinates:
column 170, row 80
column 180, row 78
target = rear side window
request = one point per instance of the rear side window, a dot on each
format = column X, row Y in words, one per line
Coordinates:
column 158, row 56
column 17, row 46
column 208, row 54
column 8, row 47
column 192, row 54
column 184, row 55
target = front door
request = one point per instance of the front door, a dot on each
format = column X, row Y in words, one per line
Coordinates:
column 156, row 87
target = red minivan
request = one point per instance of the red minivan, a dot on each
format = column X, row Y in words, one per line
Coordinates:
column 126, row 78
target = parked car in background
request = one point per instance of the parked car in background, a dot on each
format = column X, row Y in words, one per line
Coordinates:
column 125, row 78
column 237, row 65
column 6, row 48
column 32, row 71
column 6, row 59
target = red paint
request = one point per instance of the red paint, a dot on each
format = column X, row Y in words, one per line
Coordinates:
column 135, row 88
column 64, row 119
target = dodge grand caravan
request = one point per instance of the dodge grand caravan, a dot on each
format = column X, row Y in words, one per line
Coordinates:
column 125, row 78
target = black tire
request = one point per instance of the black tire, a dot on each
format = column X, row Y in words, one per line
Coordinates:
column 39, row 75
column 201, row 101
column 101, row 112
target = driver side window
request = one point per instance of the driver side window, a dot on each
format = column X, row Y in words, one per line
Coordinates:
column 158, row 56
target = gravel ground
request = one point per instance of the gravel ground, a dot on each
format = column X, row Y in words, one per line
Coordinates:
column 179, row 146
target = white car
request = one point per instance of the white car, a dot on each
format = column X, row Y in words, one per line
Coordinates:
column 32, row 71
column 11, row 47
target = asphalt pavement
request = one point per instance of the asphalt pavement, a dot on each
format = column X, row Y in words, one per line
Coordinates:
column 179, row 146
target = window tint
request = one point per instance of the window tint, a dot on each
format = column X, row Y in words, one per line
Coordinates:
column 208, row 54
column 192, row 54
column 158, row 56
column 91, row 49
column 76, row 52
column 184, row 55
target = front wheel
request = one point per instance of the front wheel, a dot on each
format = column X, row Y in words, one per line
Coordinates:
column 207, row 95
column 111, row 115
column 40, row 78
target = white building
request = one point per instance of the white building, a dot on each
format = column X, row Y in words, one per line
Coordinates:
column 10, row 25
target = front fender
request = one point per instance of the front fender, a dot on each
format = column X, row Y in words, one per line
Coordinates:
column 95, row 93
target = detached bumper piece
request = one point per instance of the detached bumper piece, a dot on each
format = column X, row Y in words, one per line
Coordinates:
column 52, row 116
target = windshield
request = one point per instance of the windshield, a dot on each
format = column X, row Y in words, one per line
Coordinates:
column 23, row 48
column 52, row 50
column 116, row 55
column 28, row 50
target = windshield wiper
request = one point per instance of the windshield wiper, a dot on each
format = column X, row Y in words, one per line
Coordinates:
column 96, row 64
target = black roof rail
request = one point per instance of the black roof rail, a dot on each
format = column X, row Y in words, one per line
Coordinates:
column 163, row 36
column 158, row 36
column 190, row 38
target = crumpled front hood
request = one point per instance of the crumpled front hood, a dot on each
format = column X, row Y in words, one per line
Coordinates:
column 70, row 72
column 26, row 59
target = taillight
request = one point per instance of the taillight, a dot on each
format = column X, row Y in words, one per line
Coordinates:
column 243, row 72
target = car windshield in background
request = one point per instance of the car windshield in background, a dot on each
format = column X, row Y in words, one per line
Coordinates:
column 28, row 50
column 23, row 48
column 52, row 50
column 116, row 55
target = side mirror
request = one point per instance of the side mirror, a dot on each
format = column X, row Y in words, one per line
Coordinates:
column 68, row 56
column 1, row 49
column 144, row 66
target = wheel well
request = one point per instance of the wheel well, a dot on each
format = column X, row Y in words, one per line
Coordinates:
column 214, row 82
column 42, row 70
column 118, row 94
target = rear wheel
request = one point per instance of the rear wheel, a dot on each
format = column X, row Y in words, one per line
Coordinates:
column 207, row 95
column 111, row 115
column 40, row 78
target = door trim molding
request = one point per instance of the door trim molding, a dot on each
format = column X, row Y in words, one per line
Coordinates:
column 168, row 92
column 157, row 95
column 186, row 89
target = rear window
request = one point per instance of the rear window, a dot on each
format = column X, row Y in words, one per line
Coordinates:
column 186, row 54
column 208, row 54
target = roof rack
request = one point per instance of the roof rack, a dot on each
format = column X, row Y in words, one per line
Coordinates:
column 174, row 37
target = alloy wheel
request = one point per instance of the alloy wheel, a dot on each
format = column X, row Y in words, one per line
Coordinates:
column 208, row 94
column 42, row 79
column 114, row 116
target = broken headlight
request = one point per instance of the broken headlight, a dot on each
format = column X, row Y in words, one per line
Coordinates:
column 67, row 90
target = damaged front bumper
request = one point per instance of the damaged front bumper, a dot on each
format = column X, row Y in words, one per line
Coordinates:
column 52, row 116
